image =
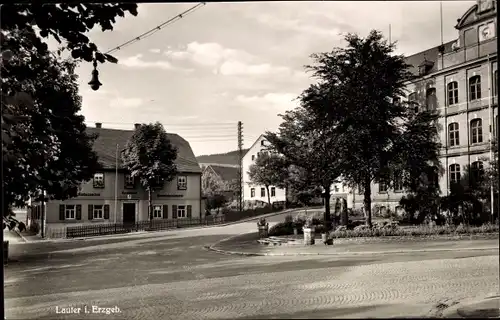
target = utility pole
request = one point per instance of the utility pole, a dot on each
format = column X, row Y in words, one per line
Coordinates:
column 240, row 169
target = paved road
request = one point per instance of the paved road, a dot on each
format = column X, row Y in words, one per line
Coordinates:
column 170, row 276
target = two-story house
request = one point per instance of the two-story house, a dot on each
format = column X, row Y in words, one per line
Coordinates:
column 459, row 79
column 113, row 196
column 253, row 193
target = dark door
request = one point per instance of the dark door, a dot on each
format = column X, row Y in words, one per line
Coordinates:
column 129, row 213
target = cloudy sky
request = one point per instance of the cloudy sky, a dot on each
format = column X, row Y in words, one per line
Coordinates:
column 230, row 62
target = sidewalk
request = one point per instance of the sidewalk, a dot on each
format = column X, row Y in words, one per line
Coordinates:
column 247, row 245
column 488, row 307
column 36, row 238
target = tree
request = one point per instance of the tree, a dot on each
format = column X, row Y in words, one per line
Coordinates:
column 46, row 147
column 301, row 185
column 267, row 170
column 309, row 141
column 213, row 189
column 361, row 85
column 68, row 23
column 150, row 157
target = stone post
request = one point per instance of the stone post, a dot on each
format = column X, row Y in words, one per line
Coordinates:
column 309, row 236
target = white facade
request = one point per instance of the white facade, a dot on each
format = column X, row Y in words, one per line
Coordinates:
column 259, row 192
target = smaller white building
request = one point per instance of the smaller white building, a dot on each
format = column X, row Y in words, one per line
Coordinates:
column 257, row 193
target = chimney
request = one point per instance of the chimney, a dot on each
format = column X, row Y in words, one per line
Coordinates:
column 98, row 125
column 137, row 125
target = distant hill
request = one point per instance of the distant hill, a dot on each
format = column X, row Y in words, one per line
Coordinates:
column 231, row 157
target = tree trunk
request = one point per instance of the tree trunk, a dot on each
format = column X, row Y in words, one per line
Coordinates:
column 367, row 201
column 268, row 195
column 326, row 218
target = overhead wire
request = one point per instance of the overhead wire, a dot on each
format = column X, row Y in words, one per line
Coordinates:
column 157, row 28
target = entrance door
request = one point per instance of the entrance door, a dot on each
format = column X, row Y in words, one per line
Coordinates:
column 129, row 213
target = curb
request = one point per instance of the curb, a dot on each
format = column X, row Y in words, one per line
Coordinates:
column 346, row 253
column 454, row 311
column 111, row 236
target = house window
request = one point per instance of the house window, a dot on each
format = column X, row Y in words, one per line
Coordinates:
column 382, row 186
column 398, row 182
column 396, row 101
column 181, row 183
column 99, row 180
column 476, row 129
column 273, row 192
column 129, row 181
column 477, row 172
column 475, row 88
column 262, row 143
column 453, row 134
column 158, row 211
column 98, row 212
column 253, row 157
column 262, row 192
column 252, row 192
column 431, row 100
column 454, row 173
column 69, row 211
column 452, row 89
column 412, row 100
column 336, row 188
column 181, row 211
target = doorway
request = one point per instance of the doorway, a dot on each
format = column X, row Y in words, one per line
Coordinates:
column 129, row 213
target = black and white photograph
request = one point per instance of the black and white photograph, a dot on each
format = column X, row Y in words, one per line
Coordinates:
column 250, row 160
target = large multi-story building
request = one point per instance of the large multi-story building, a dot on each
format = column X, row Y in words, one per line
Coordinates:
column 459, row 79
column 114, row 196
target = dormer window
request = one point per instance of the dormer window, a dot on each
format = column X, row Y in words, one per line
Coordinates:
column 425, row 67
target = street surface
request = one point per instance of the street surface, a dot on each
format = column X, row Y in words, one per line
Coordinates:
column 169, row 275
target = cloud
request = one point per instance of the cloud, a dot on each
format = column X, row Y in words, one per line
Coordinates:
column 236, row 68
column 137, row 62
column 274, row 102
column 155, row 50
column 121, row 103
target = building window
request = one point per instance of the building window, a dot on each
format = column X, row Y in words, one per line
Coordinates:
column 477, row 172
column 476, row 129
column 495, row 83
column 253, row 157
column 431, row 100
column 158, row 211
column 398, row 182
column 396, row 101
column 262, row 143
column 69, row 211
column 98, row 212
column 336, row 188
column 99, row 180
column 181, row 211
column 475, row 88
column 454, row 173
column 452, row 89
column 382, row 186
column 252, row 192
column 129, row 181
column 181, row 183
column 453, row 134
column 262, row 192
column 273, row 192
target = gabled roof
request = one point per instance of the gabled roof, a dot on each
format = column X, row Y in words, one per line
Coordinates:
column 253, row 144
column 105, row 147
column 225, row 173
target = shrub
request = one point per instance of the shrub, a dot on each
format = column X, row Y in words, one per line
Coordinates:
column 289, row 218
column 281, row 229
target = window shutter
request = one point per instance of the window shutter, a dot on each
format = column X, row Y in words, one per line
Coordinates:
column 165, row 211
column 174, row 212
column 91, row 212
column 106, row 211
column 189, row 209
column 78, row 212
column 61, row 212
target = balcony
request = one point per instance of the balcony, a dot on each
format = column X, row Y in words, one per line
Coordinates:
column 468, row 53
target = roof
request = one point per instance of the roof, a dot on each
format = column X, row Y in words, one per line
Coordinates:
column 226, row 173
column 105, row 147
column 431, row 54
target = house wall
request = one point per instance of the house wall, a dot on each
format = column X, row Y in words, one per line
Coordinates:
column 168, row 195
column 248, row 185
